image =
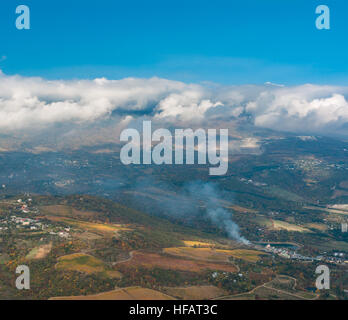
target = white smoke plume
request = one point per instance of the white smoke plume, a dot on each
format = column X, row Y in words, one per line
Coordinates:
column 209, row 195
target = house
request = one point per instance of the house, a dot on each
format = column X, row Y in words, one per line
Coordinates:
column 63, row 234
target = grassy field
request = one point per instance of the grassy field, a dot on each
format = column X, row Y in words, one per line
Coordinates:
column 272, row 224
column 206, row 244
column 204, row 254
column 130, row 293
column 282, row 225
column 331, row 210
column 103, row 228
column 343, row 207
column 39, row 252
column 198, row 244
column 151, row 260
column 84, row 263
column 241, row 209
column 280, row 288
column 67, row 211
column 331, row 245
column 267, row 293
column 316, row 226
column 211, row 254
column 196, row 292
column 247, row 255
column 283, row 194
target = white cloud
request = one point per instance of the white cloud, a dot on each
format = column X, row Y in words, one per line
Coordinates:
column 187, row 106
column 28, row 102
column 38, row 103
column 307, row 108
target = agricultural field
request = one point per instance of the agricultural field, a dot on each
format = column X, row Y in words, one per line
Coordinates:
column 242, row 209
column 104, row 229
column 247, row 255
column 130, row 293
column 282, row 225
column 67, row 211
column 317, row 226
column 211, row 254
column 196, row 292
column 330, row 210
column 39, row 252
column 343, row 207
column 281, row 288
column 151, row 260
column 274, row 224
column 90, row 248
column 86, row 264
column 204, row 254
column 199, row 244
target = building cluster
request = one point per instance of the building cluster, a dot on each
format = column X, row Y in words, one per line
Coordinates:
column 255, row 183
column 337, row 257
column 20, row 220
column 62, row 234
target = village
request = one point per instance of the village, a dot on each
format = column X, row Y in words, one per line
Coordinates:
column 336, row 257
column 24, row 218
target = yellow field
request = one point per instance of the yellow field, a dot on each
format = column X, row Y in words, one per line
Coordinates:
column 242, row 209
column 216, row 255
column 67, row 211
column 198, row 244
column 129, row 293
column 317, row 226
column 247, row 255
column 109, row 229
column 84, row 263
column 151, row 260
column 104, row 228
column 206, row 254
column 343, row 207
column 279, row 225
column 282, row 225
column 196, row 292
column 328, row 210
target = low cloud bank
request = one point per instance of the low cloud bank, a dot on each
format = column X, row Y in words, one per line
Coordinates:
column 27, row 103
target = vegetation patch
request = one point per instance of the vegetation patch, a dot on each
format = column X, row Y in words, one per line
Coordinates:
column 85, row 263
column 196, row 292
column 151, row 260
column 106, row 229
column 282, row 225
column 39, row 252
column 67, row 211
column 216, row 255
column 130, row 293
column 198, row 244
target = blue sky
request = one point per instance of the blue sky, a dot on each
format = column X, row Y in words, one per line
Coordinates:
column 230, row 42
